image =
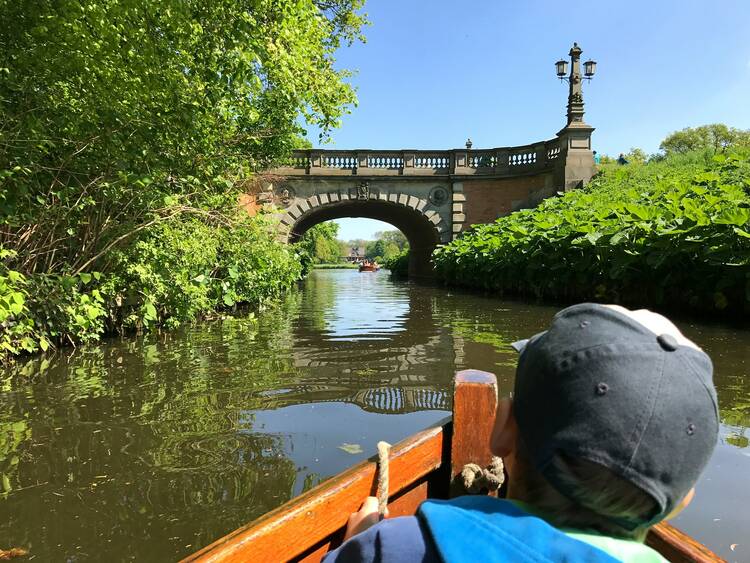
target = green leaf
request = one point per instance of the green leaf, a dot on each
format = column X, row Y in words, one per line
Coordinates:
column 736, row 216
column 351, row 448
column 149, row 312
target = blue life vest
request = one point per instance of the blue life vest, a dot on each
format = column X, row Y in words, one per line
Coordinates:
column 479, row 529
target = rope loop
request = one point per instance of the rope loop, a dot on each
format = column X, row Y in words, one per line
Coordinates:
column 476, row 479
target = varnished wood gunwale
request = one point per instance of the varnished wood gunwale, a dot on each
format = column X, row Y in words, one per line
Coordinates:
column 677, row 547
column 305, row 528
column 317, row 516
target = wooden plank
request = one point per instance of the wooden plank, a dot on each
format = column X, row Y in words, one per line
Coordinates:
column 407, row 503
column 474, row 405
column 313, row 518
column 677, row 547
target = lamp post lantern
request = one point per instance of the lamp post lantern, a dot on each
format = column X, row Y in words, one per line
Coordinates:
column 574, row 164
column 575, row 92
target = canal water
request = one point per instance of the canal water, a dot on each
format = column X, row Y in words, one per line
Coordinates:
column 149, row 448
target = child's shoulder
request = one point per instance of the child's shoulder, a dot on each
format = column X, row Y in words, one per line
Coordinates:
column 395, row 540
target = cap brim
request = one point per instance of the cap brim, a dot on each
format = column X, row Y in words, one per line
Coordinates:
column 520, row 345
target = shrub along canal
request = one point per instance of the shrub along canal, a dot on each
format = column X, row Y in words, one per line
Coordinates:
column 149, row 448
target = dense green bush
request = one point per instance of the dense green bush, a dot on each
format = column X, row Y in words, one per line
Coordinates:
column 18, row 330
column 674, row 233
column 176, row 272
column 398, row 264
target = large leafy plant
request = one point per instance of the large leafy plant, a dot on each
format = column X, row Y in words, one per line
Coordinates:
column 675, row 232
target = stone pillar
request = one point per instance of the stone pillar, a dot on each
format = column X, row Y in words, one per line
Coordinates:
column 459, row 215
column 575, row 165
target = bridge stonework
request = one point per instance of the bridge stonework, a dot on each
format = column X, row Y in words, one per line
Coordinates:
column 431, row 196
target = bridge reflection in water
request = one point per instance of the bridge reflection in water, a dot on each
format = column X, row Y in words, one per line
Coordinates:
column 384, row 400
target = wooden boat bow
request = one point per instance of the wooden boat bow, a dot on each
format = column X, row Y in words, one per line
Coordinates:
column 422, row 466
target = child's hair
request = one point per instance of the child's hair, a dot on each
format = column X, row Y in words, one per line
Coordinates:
column 600, row 497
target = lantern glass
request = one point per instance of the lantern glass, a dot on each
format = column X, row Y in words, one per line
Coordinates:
column 562, row 68
column 589, row 68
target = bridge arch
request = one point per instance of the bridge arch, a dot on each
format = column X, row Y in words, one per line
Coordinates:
column 425, row 222
column 411, row 189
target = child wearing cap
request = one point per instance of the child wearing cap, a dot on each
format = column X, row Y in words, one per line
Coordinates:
column 613, row 419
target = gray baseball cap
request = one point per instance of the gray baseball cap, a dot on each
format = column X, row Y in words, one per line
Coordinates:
column 601, row 386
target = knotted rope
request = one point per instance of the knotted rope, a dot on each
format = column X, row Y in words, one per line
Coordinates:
column 476, row 479
column 384, row 453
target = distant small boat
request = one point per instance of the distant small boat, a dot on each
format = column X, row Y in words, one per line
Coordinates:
column 368, row 267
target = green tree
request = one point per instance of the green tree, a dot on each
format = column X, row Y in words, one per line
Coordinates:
column 119, row 113
column 716, row 137
column 381, row 249
column 129, row 130
column 636, row 156
column 320, row 243
column 394, row 236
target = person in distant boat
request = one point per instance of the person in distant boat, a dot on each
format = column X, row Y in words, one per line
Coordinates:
column 622, row 160
column 612, row 420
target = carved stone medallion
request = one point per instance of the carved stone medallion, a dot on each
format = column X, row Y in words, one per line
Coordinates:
column 286, row 195
column 362, row 191
column 439, row 196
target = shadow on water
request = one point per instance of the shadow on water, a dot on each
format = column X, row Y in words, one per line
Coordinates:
column 149, row 448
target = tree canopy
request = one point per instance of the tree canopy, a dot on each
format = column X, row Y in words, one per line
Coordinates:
column 118, row 104
column 715, row 137
column 128, row 131
column 320, row 244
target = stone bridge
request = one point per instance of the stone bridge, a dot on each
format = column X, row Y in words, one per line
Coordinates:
column 432, row 196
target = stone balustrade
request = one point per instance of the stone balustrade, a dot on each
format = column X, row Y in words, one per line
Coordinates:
column 503, row 161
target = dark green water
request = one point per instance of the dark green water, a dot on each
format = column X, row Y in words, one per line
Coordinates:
column 147, row 449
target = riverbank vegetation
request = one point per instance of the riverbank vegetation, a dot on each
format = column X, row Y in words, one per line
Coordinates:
column 673, row 232
column 398, row 264
column 320, row 245
column 129, row 132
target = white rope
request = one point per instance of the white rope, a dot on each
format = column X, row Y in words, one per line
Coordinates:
column 384, row 453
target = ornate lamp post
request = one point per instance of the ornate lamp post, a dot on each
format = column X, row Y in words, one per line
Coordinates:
column 575, row 93
column 576, row 162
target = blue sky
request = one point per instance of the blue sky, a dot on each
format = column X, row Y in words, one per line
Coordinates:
column 433, row 73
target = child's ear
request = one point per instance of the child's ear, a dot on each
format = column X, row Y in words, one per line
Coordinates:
column 505, row 431
column 683, row 503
